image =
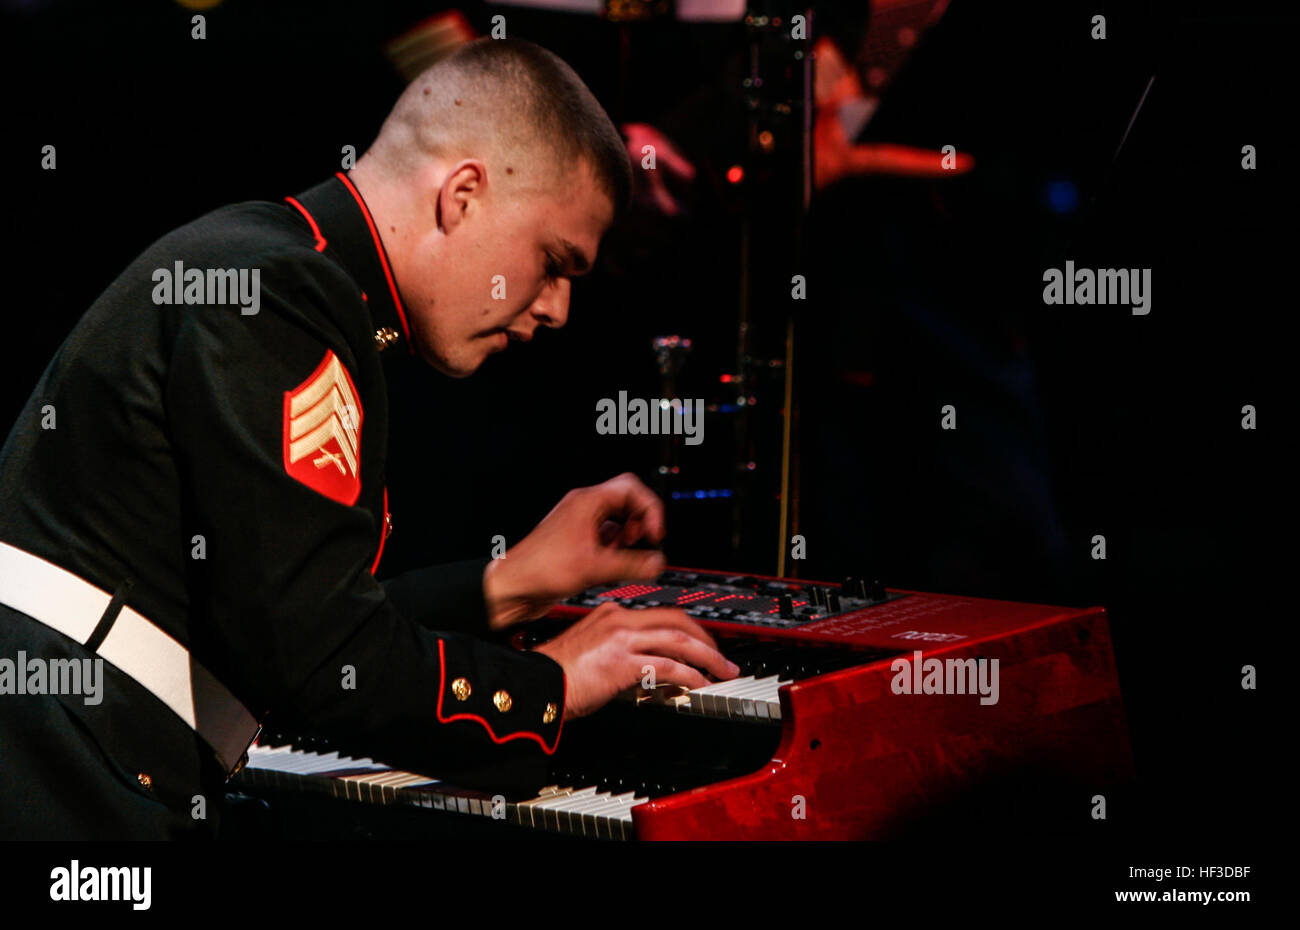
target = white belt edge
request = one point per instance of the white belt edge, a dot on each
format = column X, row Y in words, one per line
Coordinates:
column 134, row 645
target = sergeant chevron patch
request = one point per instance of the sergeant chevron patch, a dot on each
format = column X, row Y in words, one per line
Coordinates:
column 322, row 432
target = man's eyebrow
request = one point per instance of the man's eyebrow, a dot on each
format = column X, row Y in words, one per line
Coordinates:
column 577, row 258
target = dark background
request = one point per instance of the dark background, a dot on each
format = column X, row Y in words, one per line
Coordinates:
column 1073, row 421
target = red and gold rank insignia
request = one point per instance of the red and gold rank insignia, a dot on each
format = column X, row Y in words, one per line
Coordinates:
column 322, row 432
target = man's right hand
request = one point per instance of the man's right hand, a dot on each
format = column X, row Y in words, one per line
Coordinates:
column 608, row 651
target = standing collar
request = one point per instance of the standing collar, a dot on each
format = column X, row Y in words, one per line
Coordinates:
column 343, row 226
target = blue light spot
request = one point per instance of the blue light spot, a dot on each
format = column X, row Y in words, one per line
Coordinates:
column 1062, row 196
column 701, row 494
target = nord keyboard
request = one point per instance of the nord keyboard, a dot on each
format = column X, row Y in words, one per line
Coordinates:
column 858, row 712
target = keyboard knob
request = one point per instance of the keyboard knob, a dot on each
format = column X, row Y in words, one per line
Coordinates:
column 832, row 602
column 878, row 592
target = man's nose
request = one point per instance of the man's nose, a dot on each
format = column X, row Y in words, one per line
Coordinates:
column 552, row 305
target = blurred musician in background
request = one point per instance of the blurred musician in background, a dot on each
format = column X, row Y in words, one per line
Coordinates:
column 192, row 503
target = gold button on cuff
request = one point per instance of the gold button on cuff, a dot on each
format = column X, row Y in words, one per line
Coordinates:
column 460, row 687
column 550, row 713
column 502, row 700
column 385, row 336
column 145, row 781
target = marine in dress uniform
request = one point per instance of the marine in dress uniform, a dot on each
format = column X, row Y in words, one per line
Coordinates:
column 207, row 515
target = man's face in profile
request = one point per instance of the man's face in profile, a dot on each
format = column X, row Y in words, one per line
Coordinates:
column 499, row 264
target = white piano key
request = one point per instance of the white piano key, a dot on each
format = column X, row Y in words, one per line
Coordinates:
column 313, row 763
column 706, row 698
column 769, row 695
column 270, row 759
column 609, row 823
column 275, row 759
column 760, row 702
column 268, row 752
column 773, row 706
column 296, row 761
column 719, row 692
column 624, row 821
column 607, row 814
column 378, row 779
column 582, row 798
column 715, row 697
column 557, row 811
column 526, row 808
column 727, row 700
column 590, row 814
column 741, row 702
column 582, row 807
column 385, row 785
column 411, row 780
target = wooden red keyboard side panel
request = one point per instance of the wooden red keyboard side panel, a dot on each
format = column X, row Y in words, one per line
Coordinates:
column 869, row 763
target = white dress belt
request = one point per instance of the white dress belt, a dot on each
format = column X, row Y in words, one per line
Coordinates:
column 134, row 645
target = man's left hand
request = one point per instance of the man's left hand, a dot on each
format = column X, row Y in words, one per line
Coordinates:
column 582, row 542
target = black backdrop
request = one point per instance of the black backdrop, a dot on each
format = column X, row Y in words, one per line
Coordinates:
column 1072, row 420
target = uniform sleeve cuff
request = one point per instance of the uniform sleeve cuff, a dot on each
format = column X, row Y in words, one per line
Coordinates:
column 513, row 695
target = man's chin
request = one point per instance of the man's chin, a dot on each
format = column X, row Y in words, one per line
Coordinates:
column 458, row 371
column 451, row 368
column 464, row 363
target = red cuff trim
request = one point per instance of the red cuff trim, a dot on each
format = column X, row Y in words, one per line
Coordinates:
column 383, row 258
column 311, row 221
column 523, row 734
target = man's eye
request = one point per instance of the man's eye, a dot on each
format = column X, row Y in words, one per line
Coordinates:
column 553, row 267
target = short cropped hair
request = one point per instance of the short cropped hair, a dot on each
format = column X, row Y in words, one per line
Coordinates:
column 509, row 96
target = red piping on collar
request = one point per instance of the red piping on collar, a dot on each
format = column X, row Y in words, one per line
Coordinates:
column 383, row 258
column 311, row 221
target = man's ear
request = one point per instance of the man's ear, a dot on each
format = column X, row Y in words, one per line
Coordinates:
column 460, row 189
